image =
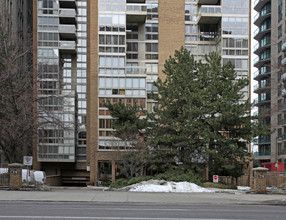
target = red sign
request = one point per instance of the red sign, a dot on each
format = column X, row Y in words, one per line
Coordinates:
column 215, row 178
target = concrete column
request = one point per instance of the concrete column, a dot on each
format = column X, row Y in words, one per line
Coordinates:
column 15, row 175
column 259, row 179
column 113, row 170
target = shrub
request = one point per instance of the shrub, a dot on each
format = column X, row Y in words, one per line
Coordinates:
column 119, row 183
column 125, row 182
column 180, row 175
column 219, row 185
column 175, row 175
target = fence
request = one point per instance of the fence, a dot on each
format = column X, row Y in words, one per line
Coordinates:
column 240, row 181
column 4, row 177
column 273, row 179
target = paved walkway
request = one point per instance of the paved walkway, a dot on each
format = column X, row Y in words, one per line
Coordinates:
column 94, row 195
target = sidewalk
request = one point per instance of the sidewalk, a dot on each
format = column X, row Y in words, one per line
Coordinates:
column 60, row 194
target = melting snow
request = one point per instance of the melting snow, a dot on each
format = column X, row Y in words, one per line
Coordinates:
column 163, row 186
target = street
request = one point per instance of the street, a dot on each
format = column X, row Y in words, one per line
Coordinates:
column 136, row 211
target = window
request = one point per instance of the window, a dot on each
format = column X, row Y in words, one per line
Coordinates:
column 151, row 47
column 280, row 10
column 279, row 31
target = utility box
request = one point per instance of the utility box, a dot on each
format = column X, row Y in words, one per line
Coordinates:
column 259, row 176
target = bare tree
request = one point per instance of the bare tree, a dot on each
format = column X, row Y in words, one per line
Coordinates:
column 16, row 101
column 18, row 121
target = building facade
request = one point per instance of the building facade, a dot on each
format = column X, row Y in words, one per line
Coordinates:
column 270, row 77
column 92, row 52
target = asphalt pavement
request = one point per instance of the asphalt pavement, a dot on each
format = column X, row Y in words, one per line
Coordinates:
column 135, row 211
column 61, row 194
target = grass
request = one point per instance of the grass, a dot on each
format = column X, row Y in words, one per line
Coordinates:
column 218, row 185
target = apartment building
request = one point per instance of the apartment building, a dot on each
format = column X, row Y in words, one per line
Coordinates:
column 270, row 77
column 91, row 52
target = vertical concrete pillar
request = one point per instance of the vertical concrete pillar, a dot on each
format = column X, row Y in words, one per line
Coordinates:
column 259, row 175
column 15, row 175
column 113, row 170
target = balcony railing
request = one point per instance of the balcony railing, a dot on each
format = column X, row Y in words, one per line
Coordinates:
column 264, row 140
column 282, row 137
column 255, row 74
column 210, row 9
column 67, row 12
column 283, row 61
column 256, row 32
column 282, row 107
column 136, row 8
column 282, row 152
column 282, row 122
column 255, row 2
column 284, row 46
column 67, row 44
column 257, row 100
column 256, row 47
column 283, row 76
column 135, row 70
column 256, row 60
column 261, row 154
column 70, row 28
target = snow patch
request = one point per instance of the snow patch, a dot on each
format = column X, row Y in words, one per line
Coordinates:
column 163, row 186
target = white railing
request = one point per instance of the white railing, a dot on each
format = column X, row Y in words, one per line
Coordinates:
column 67, row 27
column 67, row 44
column 136, row 8
column 210, row 9
column 70, row 12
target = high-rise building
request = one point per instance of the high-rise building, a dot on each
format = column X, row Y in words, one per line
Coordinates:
column 91, row 52
column 270, row 77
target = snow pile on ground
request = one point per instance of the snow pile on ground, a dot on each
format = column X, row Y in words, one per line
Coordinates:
column 164, row 186
column 243, row 188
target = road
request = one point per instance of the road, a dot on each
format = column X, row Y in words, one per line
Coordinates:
column 136, row 211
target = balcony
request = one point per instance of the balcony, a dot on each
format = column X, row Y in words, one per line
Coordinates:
column 67, row 47
column 258, row 34
column 67, row 32
column 259, row 18
column 136, row 1
column 264, row 140
column 209, row 14
column 261, row 62
column 136, row 13
column 284, row 47
column 67, row 16
column 257, row 74
column 260, row 101
column 208, row 2
column 264, row 112
column 258, row 4
column 283, row 61
column 282, row 107
column 136, row 70
column 258, row 88
column 67, row 3
column 282, row 122
column 262, row 154
column 282, row 152
column 283, row 77
column 258, row 49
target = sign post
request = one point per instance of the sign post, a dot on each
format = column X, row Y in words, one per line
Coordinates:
column 215, row 178
column 28, row 161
